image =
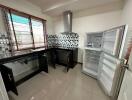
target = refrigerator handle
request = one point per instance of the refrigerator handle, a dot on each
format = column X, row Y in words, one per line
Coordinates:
column 126, row 66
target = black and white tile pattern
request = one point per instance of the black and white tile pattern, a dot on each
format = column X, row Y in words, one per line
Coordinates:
column 67, row 41
column 4, row 46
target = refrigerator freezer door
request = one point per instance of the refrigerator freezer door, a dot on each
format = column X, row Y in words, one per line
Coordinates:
column 109, row 68
column 112, row 40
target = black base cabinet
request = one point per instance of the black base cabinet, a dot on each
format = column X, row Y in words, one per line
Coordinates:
column 51, row 56
column 43, row 64
column 66, row 57
column 8, row 79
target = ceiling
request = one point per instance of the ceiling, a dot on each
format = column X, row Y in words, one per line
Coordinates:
column 56, row 7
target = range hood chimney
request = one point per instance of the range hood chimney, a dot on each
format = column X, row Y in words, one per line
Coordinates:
column 67, row 17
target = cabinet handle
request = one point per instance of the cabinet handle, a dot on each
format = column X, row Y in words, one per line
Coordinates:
column 9, row 77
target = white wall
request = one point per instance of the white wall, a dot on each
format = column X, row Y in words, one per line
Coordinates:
column 29, row 8
column 90, row 23
column 126, row 18
column 127, row 13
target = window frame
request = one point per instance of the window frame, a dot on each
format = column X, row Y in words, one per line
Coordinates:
column 31, row 29
column 44, row 32
column 29, row 16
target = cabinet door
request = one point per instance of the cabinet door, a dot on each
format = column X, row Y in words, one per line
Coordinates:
column 43, row 63
column 3, row 94
column 8, row 79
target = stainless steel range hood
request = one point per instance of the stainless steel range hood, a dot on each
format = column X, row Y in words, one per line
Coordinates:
column 67, row 17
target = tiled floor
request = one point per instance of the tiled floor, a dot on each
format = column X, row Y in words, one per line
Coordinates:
column 59, row 85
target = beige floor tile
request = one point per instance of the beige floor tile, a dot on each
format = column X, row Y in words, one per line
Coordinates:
column 59, row 85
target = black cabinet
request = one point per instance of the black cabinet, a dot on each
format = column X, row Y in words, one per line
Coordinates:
column 66, row 57
column 51, row 57
column 8, row 79
column 43, row 65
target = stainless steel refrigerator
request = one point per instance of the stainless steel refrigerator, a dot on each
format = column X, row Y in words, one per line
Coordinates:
column 111, row 65
column 110, row 68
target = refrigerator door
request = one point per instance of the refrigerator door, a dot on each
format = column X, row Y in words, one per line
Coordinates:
column 109, row 70
column 112, row 40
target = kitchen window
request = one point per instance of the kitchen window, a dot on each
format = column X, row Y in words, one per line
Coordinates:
column 27, row 32
column 38, row 32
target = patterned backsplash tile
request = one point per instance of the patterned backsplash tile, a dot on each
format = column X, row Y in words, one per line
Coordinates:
column 66, row 41
column 4, row 46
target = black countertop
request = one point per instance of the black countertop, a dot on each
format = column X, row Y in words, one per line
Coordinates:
column 31, row 53
column 21, row 55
